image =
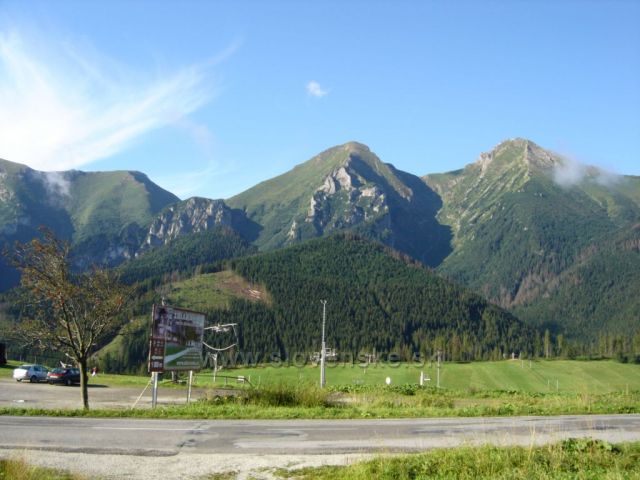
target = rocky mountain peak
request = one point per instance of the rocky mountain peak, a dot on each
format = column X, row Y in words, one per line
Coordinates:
column 193, row 215
column 522, row 151
column 358, row 201
column 356, row 147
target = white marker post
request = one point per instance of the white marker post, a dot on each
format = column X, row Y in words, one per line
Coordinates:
column 323, row 352
column 154, row 391
column 189, row 388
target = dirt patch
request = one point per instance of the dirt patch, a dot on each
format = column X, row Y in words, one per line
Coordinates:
column 234, row 284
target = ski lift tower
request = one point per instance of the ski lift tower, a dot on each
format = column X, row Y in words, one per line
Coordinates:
column 220, row 328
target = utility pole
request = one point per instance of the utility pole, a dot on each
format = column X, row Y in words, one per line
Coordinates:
column 438, row 378
column 323, row 352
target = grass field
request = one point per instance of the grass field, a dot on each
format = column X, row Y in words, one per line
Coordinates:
column 567, row 376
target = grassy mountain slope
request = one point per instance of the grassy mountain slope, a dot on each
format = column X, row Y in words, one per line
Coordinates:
column 104, row 202
column 347, row 188
column 86, row 204
column 103, row 214
column 519, row 225
column 128, row 351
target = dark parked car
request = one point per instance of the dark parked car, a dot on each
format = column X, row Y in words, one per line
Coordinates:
column 68, row 376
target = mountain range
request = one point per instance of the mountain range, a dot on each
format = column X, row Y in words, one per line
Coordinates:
column 554, row 242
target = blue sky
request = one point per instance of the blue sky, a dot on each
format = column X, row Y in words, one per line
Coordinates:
column 209, row 98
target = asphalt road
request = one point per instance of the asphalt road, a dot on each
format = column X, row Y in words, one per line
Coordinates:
column 142, row 437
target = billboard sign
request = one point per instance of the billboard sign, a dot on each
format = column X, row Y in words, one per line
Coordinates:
column 176, row 339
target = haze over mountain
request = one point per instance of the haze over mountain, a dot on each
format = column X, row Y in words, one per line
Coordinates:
column 551, row 240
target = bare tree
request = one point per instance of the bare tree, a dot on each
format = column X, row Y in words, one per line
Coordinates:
column 68, row 312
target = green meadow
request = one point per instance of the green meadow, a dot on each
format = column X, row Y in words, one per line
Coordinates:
column 568, row 376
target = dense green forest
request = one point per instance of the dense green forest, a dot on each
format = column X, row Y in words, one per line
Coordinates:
column 376, row 300
column 600, row 289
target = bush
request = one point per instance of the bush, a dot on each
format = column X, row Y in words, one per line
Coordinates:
column 279, row 395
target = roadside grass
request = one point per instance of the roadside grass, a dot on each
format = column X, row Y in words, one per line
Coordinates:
column 20, row 469
column 300, row 401
column 570, row 459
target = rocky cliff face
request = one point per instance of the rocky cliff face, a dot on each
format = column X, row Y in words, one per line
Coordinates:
column 344, row 200
column 190, row 216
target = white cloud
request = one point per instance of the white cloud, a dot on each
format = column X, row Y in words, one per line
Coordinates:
column 63, row 108
column 570, row 172
column 56, row 183
column 315, row 90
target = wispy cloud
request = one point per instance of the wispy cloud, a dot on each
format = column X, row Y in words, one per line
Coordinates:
column 571, row 172
column 315, row 90
column 68, row 109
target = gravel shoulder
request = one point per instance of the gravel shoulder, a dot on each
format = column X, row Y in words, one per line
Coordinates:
column 177, row 467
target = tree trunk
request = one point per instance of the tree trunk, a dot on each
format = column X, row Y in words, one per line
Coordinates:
column 84, row 381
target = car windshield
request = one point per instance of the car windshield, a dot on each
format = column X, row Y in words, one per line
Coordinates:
column 26, row 367
column 58, row 370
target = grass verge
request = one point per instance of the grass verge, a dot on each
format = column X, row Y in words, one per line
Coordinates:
column 285, row 401
column 570, row 459
column 19, row 469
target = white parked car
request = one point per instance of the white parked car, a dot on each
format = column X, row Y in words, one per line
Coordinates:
column 33, row 373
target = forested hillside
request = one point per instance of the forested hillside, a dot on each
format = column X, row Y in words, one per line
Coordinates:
column 377, row 300
column 601, row 288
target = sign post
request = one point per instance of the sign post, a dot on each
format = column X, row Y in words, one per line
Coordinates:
column 175, row 343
